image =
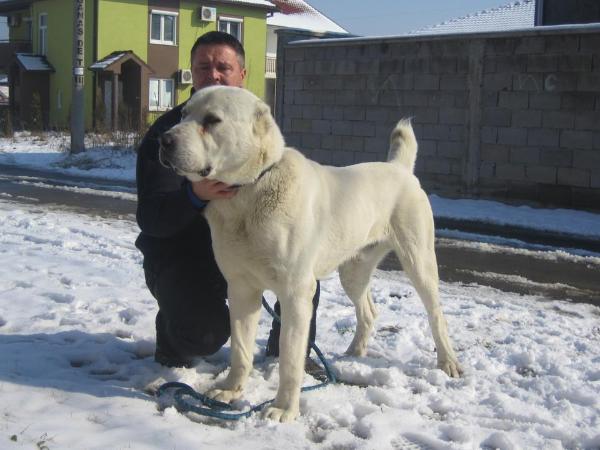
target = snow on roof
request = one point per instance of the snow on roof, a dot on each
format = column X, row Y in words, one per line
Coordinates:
column 107, row 61
column 263, row 3
column 34, row 63
column 516, row 15
column 299, row 14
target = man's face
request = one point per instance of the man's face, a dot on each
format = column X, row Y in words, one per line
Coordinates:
column 216, row 64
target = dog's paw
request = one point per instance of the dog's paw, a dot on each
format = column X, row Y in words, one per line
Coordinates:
column 279, row 414
column 451, row 367
column 225, row 396
column 357, row 348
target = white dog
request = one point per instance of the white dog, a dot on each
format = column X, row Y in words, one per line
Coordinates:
column 294, row 221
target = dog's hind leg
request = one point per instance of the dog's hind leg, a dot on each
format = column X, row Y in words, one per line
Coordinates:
column 244, row 312
column 415, row 247
column 355, row 276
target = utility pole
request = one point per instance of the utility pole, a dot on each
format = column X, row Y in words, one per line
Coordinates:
column 77, row 101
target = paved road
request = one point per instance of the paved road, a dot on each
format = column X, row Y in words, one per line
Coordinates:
column 504, row 268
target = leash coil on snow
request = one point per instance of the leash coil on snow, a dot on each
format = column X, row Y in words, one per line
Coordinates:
column 188, row 400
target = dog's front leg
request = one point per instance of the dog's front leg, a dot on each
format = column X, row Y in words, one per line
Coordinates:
column 296, row 311
column 244, row 312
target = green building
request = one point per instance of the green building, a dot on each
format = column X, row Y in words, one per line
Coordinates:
column 137, row 55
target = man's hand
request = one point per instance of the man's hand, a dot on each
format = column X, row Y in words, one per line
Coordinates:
column 212, row 190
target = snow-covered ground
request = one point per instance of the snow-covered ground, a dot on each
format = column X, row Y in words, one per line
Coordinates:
column 77, row 339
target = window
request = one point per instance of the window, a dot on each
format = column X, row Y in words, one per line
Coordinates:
column 231, row 25
column 163, row 27
column 43, row 33
column 161, row 93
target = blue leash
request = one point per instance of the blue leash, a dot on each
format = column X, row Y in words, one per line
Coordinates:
column 188, row 400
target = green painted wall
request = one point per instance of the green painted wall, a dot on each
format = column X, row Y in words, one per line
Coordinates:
column 60, row 55
column 254, row 36
column 123, row 25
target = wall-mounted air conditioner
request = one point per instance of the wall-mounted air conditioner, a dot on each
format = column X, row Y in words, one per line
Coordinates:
column 185, row 76
column 208, row 14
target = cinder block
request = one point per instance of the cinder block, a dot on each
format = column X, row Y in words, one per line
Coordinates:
column 333, row 113
column 558, row 119
column 527, row 118
column 489, row 135
column 354, row 113
column 379, row 144
column 525, row 155
column 561, row 44
column 330, row 142
column 576, row 139
column 415, row 99
column 497, row 81
column 487, row 169
column 444, row 65
column 544, row 100
column 454, row 83
column 304, row 67
column 573, row 177
column 365, row 129
column 341, row 127
column 575, row 63
column 323, row 127
column 578, row 101
column 595, row 179
column 512, row 136
column 452, row 116
column 588, row 82
column 587, row 121
column 513, row 100
column 310, row 141
column 560, row 82
column 301, row 125
column 556, row 157
column 508, row 171
column 437, row 166
column 495, row 153
column 497, row 117
column 543, row 137
column 530, row 45
column 589, row 43
column 353, row 143
column 586, row 159
column 542, row 63
column 541, row 174
column 443, row 99
column 428, row 82
column 311, row 111
column 451, row 149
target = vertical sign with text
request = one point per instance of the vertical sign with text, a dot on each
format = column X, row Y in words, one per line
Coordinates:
column 77, row 105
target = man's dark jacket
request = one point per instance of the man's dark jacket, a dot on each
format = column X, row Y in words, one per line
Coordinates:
column 173, row 230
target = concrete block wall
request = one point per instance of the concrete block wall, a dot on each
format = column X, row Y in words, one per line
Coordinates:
column 512, row 115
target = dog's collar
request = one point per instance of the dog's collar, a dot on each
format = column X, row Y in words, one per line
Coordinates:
column 262, row 174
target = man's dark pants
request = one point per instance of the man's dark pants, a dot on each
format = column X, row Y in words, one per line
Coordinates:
column 193, row 317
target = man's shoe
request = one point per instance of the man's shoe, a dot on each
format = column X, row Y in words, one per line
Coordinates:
column 172, row 361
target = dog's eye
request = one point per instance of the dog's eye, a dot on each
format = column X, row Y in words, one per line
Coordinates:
column 210, row 119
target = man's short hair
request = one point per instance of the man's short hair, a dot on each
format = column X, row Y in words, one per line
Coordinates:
column 220, row 38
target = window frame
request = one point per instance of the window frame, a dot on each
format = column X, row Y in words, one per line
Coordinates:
column 162, row 14
column 228, row 20
column 161, row 82
column 43, row 34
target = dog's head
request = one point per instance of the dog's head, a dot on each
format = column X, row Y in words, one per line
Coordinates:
column 225, row 134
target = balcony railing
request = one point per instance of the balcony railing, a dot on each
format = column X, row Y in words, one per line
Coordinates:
column 8, row 48
column 271, row 66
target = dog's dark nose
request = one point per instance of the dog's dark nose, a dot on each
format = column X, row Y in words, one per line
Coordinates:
column 167, row 142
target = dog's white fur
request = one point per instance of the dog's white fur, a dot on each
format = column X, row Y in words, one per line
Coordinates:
column 298, row 222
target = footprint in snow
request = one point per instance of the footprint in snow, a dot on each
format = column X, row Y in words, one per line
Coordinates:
column 60, row 298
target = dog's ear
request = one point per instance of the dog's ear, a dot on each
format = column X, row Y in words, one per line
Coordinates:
column 262, row 120
column 269, row 138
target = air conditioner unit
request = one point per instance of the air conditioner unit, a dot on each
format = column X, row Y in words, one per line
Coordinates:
column 185, row 76
column 208, row 14
column 14, row 21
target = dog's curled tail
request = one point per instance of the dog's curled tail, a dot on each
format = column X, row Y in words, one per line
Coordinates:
column 403, row 145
